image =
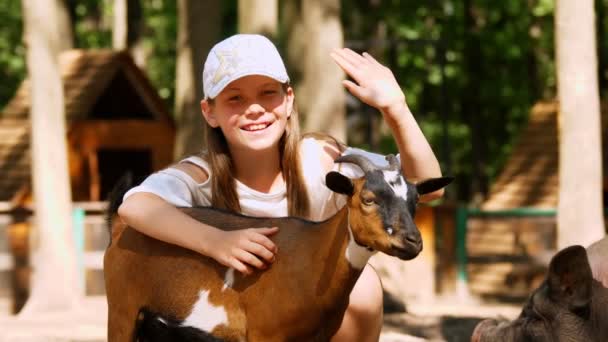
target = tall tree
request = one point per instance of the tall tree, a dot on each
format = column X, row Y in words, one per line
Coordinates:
column 195, row 37
column 258, row 16
column 471, row 101
column 120, row 25
column 315, row 30
column 126, row 28
column 54, row 280
column 580, row 213
column 65, row 25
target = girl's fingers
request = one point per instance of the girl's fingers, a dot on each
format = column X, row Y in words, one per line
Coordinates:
column 250, row 259
column 267, row 231
column 361, row 68
column 355, row 60
column 354, row 89
column 353, row 57
column 343, row 63
column 241, row 267
column 372, row 59
column 339, row 55
column 369, row 57
column 260, row 251
column 261, row 236
column 265, row 242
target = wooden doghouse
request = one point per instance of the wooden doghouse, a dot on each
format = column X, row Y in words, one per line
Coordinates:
column 115, row 121
column 517, row 222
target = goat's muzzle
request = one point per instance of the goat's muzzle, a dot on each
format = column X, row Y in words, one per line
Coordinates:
column 408, row 249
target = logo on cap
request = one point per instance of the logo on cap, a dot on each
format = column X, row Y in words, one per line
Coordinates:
column 229, row 60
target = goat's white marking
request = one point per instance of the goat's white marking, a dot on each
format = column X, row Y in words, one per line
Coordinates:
column 205, row 316
column 395, row 180
column 356, row 254
column 228, row 279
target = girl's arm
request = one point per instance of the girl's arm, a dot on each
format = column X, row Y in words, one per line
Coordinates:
column 242, row 250
column 376, row 86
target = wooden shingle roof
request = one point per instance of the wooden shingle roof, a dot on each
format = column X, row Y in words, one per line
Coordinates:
column 530, row 177
column 14, row 157
column 86, row 75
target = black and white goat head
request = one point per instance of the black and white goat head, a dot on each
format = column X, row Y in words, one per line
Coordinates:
column 383, row 192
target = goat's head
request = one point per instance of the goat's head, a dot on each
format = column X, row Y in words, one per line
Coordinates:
column 382, row 205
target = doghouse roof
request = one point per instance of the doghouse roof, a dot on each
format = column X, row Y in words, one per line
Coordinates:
column 530, row 177
column 90, row 79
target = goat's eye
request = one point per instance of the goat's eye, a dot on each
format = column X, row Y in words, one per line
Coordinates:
column 368, row 201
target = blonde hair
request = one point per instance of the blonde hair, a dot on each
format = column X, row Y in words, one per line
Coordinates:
column 223, row 185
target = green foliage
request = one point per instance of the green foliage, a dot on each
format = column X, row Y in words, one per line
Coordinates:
column 464, row 75
column 160, row 36
column 12, row 51
column 92, row 23
column 93, row 26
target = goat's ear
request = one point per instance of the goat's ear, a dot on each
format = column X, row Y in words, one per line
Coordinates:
column 433, row 184
column 570, row 279
column 339, row 183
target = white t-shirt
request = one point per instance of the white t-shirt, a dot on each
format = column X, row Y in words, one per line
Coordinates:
column 179, row 189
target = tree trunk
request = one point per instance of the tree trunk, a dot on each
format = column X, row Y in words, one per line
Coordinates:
column 580, row 217
column 195, row 37
column 602, row 53
column 64, row 25
column 472, row 105
column 119, row 25
column 258, row 16
column 313, row 34
column 54, row 279
column 127, row 28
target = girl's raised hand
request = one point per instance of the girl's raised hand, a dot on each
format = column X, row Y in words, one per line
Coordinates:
column 375, row 84
column 244, row 249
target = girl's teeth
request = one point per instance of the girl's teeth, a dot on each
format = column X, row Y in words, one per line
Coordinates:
column 256, row 127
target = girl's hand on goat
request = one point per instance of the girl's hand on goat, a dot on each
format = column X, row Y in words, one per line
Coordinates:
column 243, row 249
column 375, row 84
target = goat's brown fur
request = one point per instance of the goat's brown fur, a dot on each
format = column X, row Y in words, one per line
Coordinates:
column 137, row 269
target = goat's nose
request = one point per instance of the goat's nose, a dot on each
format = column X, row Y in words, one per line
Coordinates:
column 413, row 238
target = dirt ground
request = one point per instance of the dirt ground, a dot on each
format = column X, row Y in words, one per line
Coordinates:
column 444, row 320
column 442, row 328
column 437, row 321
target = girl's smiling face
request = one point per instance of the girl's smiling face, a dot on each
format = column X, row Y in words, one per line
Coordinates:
column 251, row 111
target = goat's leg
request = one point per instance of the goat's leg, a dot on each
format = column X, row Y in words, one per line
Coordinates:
column 122, row 321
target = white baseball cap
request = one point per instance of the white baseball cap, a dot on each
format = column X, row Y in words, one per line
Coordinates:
column 238, row 56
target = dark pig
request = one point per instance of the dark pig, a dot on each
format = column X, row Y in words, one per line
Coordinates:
column 570, row 305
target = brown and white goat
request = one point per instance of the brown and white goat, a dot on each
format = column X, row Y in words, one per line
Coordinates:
column 158, row 291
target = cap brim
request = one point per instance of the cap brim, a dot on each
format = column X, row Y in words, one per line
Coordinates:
column 215, row 91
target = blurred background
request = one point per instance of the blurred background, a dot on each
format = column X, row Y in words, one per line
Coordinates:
column 122, row 80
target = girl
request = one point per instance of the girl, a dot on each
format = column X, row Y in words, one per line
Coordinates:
column 257, row 163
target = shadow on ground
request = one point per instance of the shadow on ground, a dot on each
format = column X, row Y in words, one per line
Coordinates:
column 443, row 328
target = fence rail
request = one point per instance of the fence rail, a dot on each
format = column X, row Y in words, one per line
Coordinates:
column 90, row 237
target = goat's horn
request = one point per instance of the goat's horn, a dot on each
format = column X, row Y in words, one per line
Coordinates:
column 365, row 164
column 393, row 162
